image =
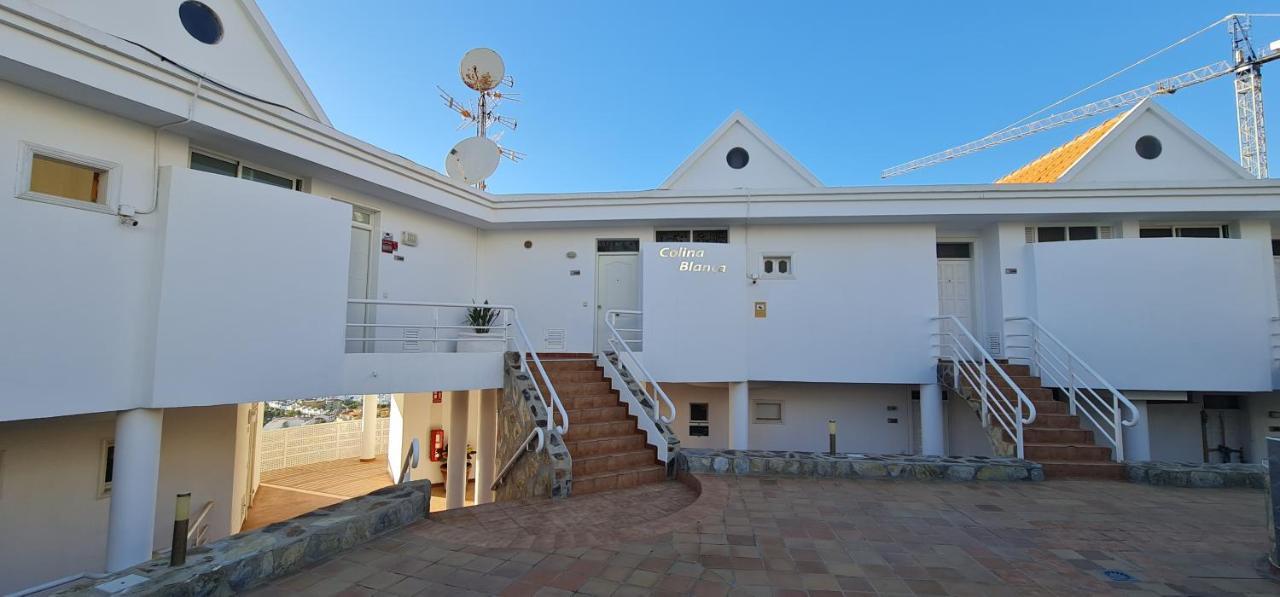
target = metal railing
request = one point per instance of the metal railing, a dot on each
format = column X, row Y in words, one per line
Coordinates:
column 1008, row 406
column 623, row 347
column 507, row 332
column 537, row 434
column 410, row 461
column 1057, row 366
column 1275, row 342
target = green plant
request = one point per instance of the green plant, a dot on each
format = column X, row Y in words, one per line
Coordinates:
column 480, row 318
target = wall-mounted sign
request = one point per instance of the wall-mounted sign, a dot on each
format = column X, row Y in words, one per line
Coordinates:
column 437, row 397
column 389, row 244
column 762, row 309
column 688, row 260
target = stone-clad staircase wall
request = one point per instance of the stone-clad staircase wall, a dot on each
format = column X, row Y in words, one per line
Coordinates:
column 544, row 473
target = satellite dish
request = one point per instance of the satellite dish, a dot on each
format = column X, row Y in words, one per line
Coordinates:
column 473, row 159
column 482, row 69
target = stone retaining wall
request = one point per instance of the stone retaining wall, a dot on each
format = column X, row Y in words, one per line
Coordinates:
column 542, row 473
column 1183, row 474
column 859, row 466
column 239, row 562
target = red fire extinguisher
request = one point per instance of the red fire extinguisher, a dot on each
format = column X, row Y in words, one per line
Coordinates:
column 436, row 445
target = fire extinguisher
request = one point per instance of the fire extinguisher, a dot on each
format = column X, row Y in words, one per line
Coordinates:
column 436, row 445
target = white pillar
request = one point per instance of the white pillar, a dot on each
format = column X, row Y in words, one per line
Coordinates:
column 487, row 446
column 369, row 427
column 134, row 480
column 1137, row 439
column 455, row 482
column 932, row 441
column 739, row 415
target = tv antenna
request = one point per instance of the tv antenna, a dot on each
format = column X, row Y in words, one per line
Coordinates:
column 476, row 158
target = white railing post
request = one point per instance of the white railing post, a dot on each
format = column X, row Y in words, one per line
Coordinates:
column 435, row 330
column 1116, row 422
column 986, row 380
column 1071, row 378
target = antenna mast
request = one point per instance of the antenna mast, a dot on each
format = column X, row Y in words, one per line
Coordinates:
column 482, row 70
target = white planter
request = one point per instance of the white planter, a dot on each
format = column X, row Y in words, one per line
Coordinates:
column 473, row 342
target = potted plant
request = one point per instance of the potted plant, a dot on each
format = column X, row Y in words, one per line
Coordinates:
column 481, row 319
column 442, row 455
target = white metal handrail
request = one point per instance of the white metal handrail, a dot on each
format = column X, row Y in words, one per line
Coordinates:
column 410, row 461
column 623, row 346
column 975, row 366
column 537, row 434
column 510, row 323
column 1058, row 366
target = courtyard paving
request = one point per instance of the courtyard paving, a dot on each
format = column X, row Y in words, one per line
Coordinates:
column 797, row 536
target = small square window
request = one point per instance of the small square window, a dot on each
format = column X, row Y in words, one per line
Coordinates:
column 711, row 236
column 698, row 412
column 699, row 430
column 1051, row 234
column 1155, row 233
column 766, row 412
column 617, row 245
column 208, row 163
column 1082, row 233
column 776, row 267
column 672, row 236
column 53, row 176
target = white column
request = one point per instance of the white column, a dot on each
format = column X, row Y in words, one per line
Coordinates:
column 932, row 441
column 487, row 446
column 455, row 482
column 369, row 427
column 134, row 480
column 1137, row 439
column 739, row 415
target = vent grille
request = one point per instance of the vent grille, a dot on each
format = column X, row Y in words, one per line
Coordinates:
column 1030, row 234
column 553, row 339
column 993, row 344
column 411, row 337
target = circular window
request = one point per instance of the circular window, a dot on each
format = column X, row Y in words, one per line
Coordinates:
column 737, row 158
column 1148, row 147
column 200, row 21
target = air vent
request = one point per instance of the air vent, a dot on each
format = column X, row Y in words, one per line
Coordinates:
column 553, row 339
column 993, row 344
column 411, row 337
column 1105, row 232
column 1030, row 234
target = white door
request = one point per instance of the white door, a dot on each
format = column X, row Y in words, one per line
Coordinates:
column 617, row 287
column 358, row 271
column 955, row 294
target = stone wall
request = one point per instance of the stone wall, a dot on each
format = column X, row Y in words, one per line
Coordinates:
column 540, row 473
column 239, row 562
column 859, row 466
column 1183, row 474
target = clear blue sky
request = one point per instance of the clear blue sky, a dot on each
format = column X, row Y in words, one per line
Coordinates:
column 617, row 94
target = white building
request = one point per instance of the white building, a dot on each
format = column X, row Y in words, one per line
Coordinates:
column 771, row 303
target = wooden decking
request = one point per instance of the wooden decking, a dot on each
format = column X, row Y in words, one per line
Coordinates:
column 289, row 492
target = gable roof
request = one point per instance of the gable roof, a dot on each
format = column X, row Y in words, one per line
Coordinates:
column 1051, row 166
column 1070, row 159
column 282, row 58
column 738, row 119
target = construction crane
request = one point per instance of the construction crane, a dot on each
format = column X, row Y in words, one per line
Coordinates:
column 1246, row 64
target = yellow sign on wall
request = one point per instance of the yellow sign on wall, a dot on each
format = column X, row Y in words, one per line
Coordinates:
column 762, row 309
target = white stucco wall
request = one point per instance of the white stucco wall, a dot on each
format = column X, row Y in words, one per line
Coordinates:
column 1175, row 432
column 861, row 412
column 1259, row 408
column 716, row 397
column 1162, row 314
column 1180, row 158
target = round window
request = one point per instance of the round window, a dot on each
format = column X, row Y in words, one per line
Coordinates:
column 1148, row 147
column 200, row 21
column 737, row 158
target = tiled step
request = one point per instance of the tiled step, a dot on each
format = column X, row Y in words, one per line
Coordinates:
column 618, row 479
column 1054, row 470
column 1026, row 382
column 1066, row 452
column 554, row 367
column 572, row 403
column 1050, row 407
column 581, row 388
column 1012, row 370
column 565, row 355
column 571, row 376
column 1033, row 393
column 1056, row 421
column 580, row 431
column 618, row 461
column 582, row 416
column 1066, row 435
column 606, row 445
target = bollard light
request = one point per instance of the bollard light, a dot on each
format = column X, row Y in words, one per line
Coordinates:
column 181, row 516
column 831, row 436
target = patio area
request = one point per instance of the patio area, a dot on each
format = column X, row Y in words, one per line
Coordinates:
column 792, row 536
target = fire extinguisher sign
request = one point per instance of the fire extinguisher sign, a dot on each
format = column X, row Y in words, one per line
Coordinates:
column 437, row 397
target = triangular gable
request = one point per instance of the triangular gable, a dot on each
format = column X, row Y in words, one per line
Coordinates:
column 1184, row 154
column 1108, row 153
column 768, row 165
column 248, row 58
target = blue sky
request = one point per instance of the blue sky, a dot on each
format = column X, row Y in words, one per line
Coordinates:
column 616, row 94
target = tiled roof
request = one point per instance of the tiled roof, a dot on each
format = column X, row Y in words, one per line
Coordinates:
column 1051, row 166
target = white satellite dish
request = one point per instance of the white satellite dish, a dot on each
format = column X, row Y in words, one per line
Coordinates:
column 482, row 69
column 473, row 159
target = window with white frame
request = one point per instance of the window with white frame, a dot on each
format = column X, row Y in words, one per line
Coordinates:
column 766, row 411
column 1067, row 232
column 777, row 266
column 699, row 419
column 696, row 235
column 1185, row 231
column 106, row 467
column 60, row 177
column 206, row 161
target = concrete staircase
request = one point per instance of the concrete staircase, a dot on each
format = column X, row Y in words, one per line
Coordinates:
column 607, row 448
column 1057, row 439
